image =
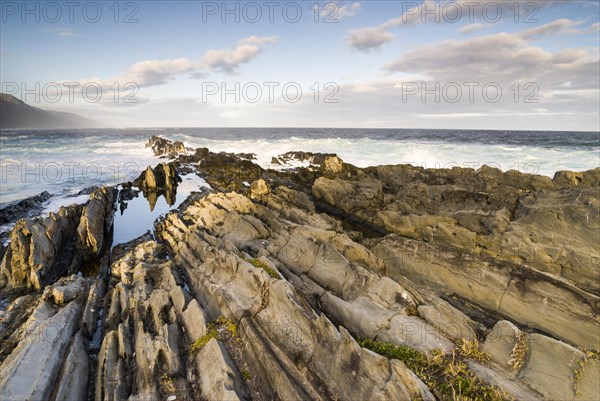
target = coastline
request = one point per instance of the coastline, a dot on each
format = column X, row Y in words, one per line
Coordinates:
column 302, row 262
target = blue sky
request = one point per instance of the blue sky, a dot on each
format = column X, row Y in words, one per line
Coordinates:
column 374, row 58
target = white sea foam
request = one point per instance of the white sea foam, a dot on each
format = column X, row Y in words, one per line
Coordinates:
column 121, row 155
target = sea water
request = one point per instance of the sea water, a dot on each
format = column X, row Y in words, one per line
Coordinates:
column 64, row 162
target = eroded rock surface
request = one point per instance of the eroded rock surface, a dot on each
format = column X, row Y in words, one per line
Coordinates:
column 260, row 288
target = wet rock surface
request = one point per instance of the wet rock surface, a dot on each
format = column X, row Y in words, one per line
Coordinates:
column 164, row 147
column 24, row 208
column 268, row 286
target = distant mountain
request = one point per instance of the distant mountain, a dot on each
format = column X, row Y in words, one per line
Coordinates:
column 16, row 114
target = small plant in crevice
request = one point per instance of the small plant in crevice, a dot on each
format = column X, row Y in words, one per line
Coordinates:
column 202, row 341
column 246, row 374
column 166, row 385
column 518, row 353
column 222, row 329
column 472, row 349
column 580, row 369
column 448, row 376
column 256, row 262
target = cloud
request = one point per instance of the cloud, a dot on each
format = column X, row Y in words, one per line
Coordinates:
column 333, row 12
column 368, row 39
column 158, row 72
column 433, row 11
column 561, row 26
column 61, row 31
column 149, row 73
column 228, row 61
column 504, row 58
column 470, row 28
column 595, row 28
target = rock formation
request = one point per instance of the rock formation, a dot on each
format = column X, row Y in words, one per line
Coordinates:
column 322, row 283
column 164, row 147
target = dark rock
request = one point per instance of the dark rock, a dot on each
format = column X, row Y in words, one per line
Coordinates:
column 161, row 146
column 24, row 208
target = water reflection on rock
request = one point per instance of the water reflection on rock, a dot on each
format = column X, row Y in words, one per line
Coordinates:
column 139, row 207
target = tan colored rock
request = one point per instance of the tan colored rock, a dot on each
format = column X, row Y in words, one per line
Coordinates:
column 74, row 381
column 448, row 320
column 218, row 379
column 259, row 188
column 333, row 164
column 550, row 368
column 95, row 222
column 35, row 255
column 499, row 345
column 31, row 370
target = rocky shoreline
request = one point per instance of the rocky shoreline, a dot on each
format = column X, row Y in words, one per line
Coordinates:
column 325, row 282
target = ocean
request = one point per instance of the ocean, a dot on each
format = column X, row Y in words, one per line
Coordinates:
column 63, row 162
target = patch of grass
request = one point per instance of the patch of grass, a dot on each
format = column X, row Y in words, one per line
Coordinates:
column 256, row 262
column 448, row 376
column 222, row 321
column 215, row 330
column 246, row 374
column 202, row 341
column 472, row 350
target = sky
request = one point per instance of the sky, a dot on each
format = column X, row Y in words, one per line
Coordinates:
column 465, row 64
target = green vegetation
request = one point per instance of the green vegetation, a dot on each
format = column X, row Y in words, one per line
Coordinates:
column 217, row 330
column 448, row 376
column 166, row 385
column 222, row 321
column 472, row 350
column 202, row 341
column 246, row 374
column 256, row 262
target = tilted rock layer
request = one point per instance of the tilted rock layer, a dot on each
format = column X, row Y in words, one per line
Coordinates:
column 262, row 293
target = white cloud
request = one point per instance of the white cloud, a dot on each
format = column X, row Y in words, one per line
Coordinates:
column 503, row 58
column 159, row 72
column 332, row 11
column 438, row 12
column 228, row 61
column 61, row 31
column 470, row 28
column 368, row 39
column 562, row 26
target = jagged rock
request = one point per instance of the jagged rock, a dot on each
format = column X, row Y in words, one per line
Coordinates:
column 66, row 289
column 333, row 164
column 163, row 177
column 551, row 365
column 161, row 146
column 515, row 291
column 259, row 188
column 349, row 196
column 542, row 364
column 31, row 370
column 297, row 273
column 23, row 208
column 95, row 223
column 74, row 381
column 219, row 381
column 568, row 179
column 41, row 250
column 499, row 345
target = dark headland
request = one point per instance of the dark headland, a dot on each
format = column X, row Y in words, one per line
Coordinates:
column 17, row 114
